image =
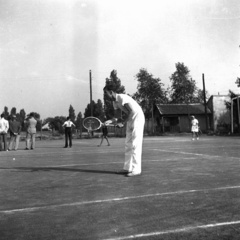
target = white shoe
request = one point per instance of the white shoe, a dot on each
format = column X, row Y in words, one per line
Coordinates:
column 197, row 138
column 193, row 139
column 133, row 174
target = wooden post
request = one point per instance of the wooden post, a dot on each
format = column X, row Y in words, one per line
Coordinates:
column 152, row 120
column 232, row 115
column 163, row 124
column 238, row 114
column 205, row 104
column 90, row 78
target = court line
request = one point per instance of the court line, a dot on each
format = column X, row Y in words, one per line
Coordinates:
column 201, row 146
column 31, row 209
column 177, row 139
column 60, row 153
column 178, row 230
column 189, row 153
column 90, row 164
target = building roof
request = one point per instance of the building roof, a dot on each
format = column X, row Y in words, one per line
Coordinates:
column 46, row 126
column 181, row 109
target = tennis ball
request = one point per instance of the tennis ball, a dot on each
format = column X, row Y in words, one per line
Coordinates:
column 13, row 159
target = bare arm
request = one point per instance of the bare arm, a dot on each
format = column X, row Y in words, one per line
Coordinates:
column 128, row 112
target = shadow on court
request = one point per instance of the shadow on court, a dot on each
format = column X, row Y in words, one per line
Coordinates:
column 36, row 169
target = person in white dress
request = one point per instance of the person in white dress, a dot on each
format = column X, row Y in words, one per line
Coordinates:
column 194, row 128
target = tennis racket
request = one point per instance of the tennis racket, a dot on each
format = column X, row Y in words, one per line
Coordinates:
column 93, row 123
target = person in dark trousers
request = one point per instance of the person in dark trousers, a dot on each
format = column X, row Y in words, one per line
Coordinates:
column 68, row 132
column 104, row 134
column 15, row 131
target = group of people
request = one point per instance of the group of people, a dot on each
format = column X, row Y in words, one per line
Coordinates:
column 14, row 127
column 134, row 122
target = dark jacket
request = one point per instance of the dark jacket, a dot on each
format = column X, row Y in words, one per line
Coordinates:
column 14, row 127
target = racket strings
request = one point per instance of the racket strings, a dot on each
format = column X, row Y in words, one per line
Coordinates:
column 91, row 123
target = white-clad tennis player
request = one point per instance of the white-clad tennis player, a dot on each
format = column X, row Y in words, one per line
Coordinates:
column 194, row 128
column 134, row 130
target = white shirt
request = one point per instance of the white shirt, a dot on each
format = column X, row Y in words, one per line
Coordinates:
column 195, row 122
column 68, row 123
column 4, row 125
column 122, row 99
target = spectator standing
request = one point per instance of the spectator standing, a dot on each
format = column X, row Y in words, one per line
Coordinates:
column 31, row 124
column 4, row 126
column 68, row 132
column 15, row 131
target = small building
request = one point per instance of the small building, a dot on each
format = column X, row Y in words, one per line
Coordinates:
column 46, row 127
column 177, row 117
column 220, row 117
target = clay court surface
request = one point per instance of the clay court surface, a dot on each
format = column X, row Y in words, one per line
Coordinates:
column 187, row 190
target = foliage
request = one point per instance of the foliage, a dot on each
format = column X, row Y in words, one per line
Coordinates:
column 238, row 82
column 117, row 87
column 228, row 105
column 36, row 115
column 224, row 119
column 199, row 96
column 232, row 95
column 183, row 88
column 79, row 121
column 150, row 91
column 56, row 123
column 5, row 112
column 98, row 110
column 13, row 111
column 21, row 118
column 72, row 114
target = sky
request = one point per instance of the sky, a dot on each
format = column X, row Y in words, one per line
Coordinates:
column 47, row 48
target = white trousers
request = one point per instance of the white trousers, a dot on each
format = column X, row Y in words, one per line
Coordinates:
column 133, row 144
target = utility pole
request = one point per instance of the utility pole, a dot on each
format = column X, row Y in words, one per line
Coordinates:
column 205, row 104
column 90, row 79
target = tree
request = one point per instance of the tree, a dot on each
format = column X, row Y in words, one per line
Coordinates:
column 150, row 91
column 199, row 96
column 5, row 112
column 232, row 95
column 233, row 104
column 118, row 88
column 56, row 123
column 38, row 118
column 13, row 111
column 98, row 110
column 79, row 121
column 22, row 116
column 238, row 81
column 72, row 113
column 35, row 114
column 183, row 89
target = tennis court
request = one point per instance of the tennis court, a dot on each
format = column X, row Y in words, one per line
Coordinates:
column 187, row 190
